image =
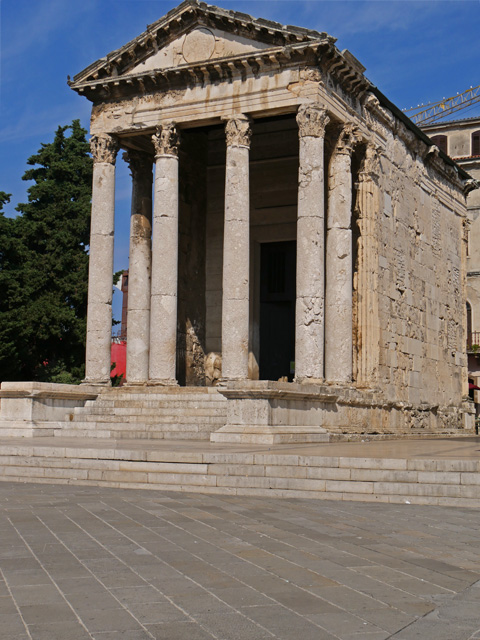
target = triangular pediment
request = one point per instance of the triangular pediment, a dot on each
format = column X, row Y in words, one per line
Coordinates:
column 194, row 32
column 199, row 44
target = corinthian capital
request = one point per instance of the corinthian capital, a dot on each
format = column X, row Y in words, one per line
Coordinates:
column 312, row 120
column 138, row 162
column 166, row 140
column 348, row 138
column 370, row 169
column 238, row 132
column 104, row 148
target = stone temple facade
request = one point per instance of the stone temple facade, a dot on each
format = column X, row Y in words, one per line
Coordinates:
column 297, row 243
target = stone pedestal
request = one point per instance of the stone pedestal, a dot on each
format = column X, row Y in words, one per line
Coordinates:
column 139, row 269
column 266, row 412
column 163, row 315
column 33, row 409
column 309, row 312
column 100, row 276
column 236, row 251
column 339, row 267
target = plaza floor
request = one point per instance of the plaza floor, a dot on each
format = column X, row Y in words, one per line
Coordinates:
column 83, row 562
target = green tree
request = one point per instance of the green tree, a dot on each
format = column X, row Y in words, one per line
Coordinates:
column 50, row 243
column 11, row 294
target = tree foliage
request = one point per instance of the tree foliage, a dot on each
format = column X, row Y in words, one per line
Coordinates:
column 44, row 265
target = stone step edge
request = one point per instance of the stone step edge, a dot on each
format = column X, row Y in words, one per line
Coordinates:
column 272, row 490
column 272, row 493
column 206, row 477
column 121, row 451
column 147, row 427
column 133, row 435
column 245, row 472
column 151, row 406
column 145, row 417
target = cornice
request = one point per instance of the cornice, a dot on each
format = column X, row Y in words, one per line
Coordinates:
column 320, row 53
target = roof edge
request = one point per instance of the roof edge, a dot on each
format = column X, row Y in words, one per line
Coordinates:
column 398, row 113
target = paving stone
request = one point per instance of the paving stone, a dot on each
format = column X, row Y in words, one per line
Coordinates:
column 344, row 623
column 11, row 624
column 179, row 631
column 231, row 626
column 7, row 606
column 108, row 620
column 156, row 612
column 286, row 625
column 58, row 631
column 129, row 634
column 47, row 613
column 132, row 595
column 235, row 565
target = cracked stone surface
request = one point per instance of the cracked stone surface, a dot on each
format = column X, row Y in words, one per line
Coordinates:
column 104, row 564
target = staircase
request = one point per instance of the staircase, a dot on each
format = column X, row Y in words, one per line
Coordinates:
column 183, row 413
column 443, row 472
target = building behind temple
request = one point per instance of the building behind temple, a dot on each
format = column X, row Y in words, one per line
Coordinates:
column 304, row 256
column 460, row 139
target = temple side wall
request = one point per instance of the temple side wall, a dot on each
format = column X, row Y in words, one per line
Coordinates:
column 421, row 280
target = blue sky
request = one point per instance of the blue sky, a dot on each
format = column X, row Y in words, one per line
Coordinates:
column 413, row 51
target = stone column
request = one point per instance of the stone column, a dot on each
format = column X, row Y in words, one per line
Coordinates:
column 100, row 275
column 339, row 267
column 163, row 314
column 236, row 251
column 366, row 307
column 309, row 311
column 139, row 268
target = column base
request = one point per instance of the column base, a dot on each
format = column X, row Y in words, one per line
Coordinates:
column 97, row 383
column 307, row 380
column 166, row 382
column 134, row 383
column 225, row 381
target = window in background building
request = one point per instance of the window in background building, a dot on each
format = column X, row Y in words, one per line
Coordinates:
column 476, row 143
column 441, row 142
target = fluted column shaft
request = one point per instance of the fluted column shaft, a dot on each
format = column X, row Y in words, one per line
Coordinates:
column 163, row 314
column 339, row 265
column 139, row 269
column 236, row 251
column 367, row 208
column 309, row 310
column 100, row 275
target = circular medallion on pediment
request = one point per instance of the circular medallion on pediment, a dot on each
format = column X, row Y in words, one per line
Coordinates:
column 198, row 45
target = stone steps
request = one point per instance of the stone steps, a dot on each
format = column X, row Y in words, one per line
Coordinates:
column 187, row 417
column 118, row 430
column 173, row 433
column 128, row 464
column 148, row 413
column 158, row 401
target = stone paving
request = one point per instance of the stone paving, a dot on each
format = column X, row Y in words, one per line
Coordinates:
column 108, row 564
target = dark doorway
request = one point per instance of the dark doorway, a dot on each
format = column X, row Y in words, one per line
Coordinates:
column 277, row 310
